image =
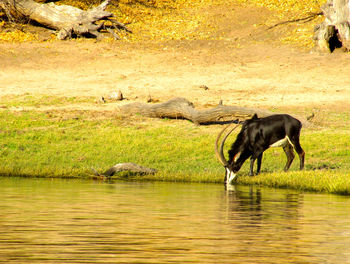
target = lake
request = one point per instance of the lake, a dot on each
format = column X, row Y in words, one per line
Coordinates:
column 82, row 221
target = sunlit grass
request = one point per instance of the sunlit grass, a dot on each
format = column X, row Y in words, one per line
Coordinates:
column 35, row 144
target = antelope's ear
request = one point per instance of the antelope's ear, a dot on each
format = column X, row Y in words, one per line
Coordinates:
column 255, row 116
column 236, row 157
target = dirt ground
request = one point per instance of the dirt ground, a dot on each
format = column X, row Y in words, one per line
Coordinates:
column 248, row 67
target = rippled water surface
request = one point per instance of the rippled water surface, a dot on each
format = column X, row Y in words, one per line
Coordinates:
column 70, row 221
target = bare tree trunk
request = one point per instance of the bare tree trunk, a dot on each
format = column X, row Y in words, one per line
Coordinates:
column 68, row 20
column 334, row 31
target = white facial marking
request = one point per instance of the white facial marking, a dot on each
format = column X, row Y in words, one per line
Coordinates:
column 227, row 173
column 230, row 176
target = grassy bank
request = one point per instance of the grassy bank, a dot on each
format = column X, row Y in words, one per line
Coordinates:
column 68, row 143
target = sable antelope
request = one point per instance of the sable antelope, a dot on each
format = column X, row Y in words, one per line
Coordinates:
column 256, row 136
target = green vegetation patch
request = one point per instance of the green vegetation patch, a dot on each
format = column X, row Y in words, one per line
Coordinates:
column 35, row 144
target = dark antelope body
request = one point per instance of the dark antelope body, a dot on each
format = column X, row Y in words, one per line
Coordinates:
column 257, row 135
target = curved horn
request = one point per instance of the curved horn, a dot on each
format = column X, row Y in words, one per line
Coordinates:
column 220, row 153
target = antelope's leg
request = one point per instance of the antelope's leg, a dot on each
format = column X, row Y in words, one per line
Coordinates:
column 288, row 149
column 259, row 163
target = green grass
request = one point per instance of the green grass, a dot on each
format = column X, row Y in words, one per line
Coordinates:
column 34, row 144
column 39, row 144
column 9, row 101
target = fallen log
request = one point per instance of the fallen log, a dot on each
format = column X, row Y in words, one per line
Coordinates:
column 181, row 108
column 129, row 166
column 68, row 20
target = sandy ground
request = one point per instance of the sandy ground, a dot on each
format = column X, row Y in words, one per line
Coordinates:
column 256, row 73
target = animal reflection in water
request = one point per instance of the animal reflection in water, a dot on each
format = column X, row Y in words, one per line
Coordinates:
column 259, row 205
column 256, row 136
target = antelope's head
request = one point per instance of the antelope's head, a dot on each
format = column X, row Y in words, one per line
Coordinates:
column 230, row 168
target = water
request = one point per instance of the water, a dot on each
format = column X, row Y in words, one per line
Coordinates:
column 71, row 221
